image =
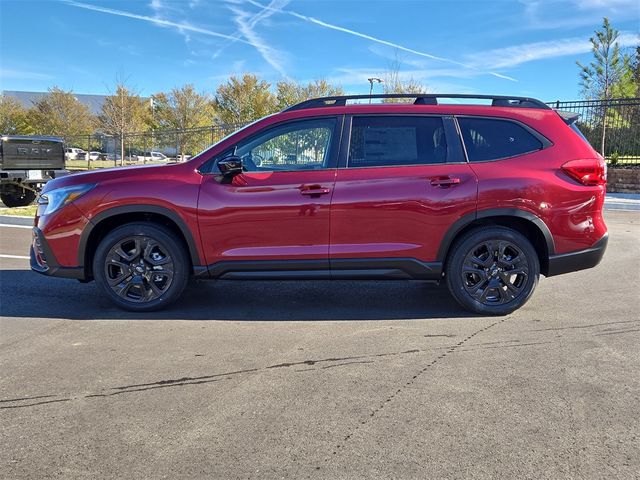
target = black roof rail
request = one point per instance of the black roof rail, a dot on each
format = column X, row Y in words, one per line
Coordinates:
column 421, row 99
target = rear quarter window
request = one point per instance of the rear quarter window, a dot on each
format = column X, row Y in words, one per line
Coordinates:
column 492, row 139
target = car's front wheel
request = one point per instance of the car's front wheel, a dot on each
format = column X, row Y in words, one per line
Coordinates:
column 141, row 266
column 492, row 270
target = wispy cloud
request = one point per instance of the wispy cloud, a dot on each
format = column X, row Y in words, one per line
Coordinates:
column 24, row 74
column 163, row 11
column 569, row 14
column 529, row 52
column 609, row 4
column 246, row 23
column 370, row 38
column 156, row 21
column 263, row 14
column 428, row 76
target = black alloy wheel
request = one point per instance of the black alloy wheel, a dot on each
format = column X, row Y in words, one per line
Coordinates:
column 492, row 270
column 141, row 267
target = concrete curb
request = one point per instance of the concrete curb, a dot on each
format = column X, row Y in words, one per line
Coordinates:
column 16, row 220
column 623, row 197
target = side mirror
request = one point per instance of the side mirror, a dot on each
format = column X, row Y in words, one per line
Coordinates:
column 230, row 166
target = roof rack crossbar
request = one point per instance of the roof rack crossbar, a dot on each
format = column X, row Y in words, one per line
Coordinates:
column 421, row 99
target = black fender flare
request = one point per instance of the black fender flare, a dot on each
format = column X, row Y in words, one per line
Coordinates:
column 467, row 219
column 139, row 208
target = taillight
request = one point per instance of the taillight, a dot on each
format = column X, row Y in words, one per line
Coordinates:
column 591, row 171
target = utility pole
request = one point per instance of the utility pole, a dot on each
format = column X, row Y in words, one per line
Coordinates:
column 371, row 82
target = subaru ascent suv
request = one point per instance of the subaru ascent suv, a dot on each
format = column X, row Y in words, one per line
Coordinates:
column 485, row 197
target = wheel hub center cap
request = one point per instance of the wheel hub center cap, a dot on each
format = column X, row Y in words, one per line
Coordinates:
column 139, row 269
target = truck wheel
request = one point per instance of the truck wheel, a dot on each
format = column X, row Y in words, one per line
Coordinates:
column 18, row 199
column 141, row 267
column 492, row 270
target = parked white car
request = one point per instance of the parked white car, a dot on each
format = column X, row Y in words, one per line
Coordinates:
column 97, row 156
column 153, row 157
column 71, row 153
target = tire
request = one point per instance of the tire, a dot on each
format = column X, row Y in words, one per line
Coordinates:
column 18, row 199
column 478, row 270
column 141, row 267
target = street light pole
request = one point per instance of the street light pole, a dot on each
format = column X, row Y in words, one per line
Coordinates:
column 371, row 81
column 152, row 104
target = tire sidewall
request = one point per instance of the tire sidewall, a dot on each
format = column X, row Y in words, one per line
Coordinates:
column 168, row 240
column 462, row 248
column 14, row 200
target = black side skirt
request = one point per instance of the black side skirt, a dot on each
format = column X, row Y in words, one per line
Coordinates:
column 352, row 269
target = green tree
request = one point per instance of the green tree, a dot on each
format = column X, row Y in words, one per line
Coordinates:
column 13, row 117
column 394, row 82
column 636, row 71
column 184, row 109
column 243, row 100
column 606, row 72
column 289, row 93
column 123, row 112
column 60, row 113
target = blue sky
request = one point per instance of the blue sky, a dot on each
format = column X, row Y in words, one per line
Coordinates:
column 526, row 47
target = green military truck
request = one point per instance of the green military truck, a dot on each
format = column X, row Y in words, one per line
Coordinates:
column 26, row 164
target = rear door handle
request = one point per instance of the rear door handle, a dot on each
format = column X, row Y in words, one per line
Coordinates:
column 445, row 181
column 313, row 190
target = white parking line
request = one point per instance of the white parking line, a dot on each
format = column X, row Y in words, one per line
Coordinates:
column 24, row 257
column 15, row 226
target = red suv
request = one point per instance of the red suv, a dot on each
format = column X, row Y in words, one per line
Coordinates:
column 484, row 197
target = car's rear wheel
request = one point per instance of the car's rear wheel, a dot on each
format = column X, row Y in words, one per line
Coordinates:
column 141, row 266
column 26, row 197
column 492, row 270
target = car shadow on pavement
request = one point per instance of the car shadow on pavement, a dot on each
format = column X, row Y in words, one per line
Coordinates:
column 28, row 295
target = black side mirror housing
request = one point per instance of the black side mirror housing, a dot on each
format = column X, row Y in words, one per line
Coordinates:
column 230, row 166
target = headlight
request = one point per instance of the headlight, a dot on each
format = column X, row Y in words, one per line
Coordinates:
column 58, row 198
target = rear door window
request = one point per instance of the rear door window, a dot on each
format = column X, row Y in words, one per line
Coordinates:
column 396, row 140
column 492, row 139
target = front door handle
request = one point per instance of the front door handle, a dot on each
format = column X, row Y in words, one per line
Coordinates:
column 313, row 190
column 444, row 181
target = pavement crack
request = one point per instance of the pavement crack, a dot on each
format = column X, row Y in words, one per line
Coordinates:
column 346, row 363
column 205, row 379
column 583, row 326
column 449, row 350
column 23, row 405
column 616, row 332
column 24, row 399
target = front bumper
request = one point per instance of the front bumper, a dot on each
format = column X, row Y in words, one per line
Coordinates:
column 44, row 261
column 579, row 260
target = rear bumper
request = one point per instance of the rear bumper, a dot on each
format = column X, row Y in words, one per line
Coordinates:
column 579, row 260
column 43, row 260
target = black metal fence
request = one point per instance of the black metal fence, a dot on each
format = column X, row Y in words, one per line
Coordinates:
column 157, row 146
column 611, row 126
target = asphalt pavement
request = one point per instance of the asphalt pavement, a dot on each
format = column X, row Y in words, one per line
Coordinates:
column 322, row 379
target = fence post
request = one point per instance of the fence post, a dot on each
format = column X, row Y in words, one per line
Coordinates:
column 144, row 148
column 88, row 152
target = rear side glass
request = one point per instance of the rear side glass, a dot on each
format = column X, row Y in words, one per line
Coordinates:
column 490, row 139
column 575, row 128
column 396, row 140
